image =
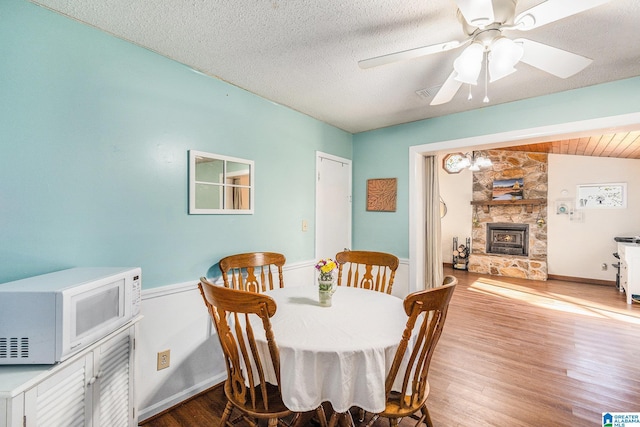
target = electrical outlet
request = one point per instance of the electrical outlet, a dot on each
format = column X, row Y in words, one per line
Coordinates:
column 164, row 359
column 305, row 225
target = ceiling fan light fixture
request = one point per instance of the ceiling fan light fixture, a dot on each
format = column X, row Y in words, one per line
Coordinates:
column 504, row 55
column 469, row 63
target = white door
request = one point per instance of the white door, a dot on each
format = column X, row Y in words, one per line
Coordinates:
column 333, row 205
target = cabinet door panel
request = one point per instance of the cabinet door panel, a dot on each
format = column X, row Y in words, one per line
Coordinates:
column 61, row 399
column 115, row 387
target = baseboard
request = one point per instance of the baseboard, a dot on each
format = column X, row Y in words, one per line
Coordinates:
column 564, row 278
column 581, row 280
column 195, row 396
column 164, row 405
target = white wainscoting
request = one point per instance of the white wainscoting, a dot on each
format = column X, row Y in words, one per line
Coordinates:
column 175, row 319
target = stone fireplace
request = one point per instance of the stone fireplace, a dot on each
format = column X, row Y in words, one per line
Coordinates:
column 509, row 237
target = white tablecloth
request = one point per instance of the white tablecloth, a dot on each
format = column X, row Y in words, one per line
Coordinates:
column 340, row 354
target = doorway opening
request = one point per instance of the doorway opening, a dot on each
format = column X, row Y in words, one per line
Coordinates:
column 417, row 244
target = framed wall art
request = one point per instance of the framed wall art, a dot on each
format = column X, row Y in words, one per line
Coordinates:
column 382, row 194
column 602, row 196
column 508, row 189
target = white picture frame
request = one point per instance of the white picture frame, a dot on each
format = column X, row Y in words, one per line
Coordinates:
column 601, row 196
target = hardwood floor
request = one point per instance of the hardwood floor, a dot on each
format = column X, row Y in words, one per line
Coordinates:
column 514, row 353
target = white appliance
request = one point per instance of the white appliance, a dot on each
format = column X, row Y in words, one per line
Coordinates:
column 46, row 319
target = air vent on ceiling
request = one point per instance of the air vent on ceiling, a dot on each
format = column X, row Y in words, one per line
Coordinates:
column 429, row 92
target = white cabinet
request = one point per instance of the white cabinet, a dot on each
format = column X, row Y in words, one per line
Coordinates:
column 93, row 388
column 629, row 269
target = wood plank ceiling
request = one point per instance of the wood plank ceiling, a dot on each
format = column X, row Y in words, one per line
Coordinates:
column 624, row 145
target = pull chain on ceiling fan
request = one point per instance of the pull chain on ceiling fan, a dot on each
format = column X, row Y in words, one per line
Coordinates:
column 484, row 21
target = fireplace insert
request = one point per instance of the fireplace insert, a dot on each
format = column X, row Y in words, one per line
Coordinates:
column 508, row 239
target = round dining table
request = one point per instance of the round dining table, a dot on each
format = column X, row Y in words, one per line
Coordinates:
column 339, row 354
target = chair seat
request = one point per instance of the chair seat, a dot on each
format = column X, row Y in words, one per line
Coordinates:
column 394, row 410
column 277, row 409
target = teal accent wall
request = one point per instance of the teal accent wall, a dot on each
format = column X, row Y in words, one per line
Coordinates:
column 384, row 153
column 94, row 136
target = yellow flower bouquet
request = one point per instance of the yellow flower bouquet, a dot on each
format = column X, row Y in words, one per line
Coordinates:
column 326, row 267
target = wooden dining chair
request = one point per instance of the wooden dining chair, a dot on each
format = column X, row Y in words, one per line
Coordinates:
column 367, row 269
column 427, row 311
column 252, row 271
column 246, row 387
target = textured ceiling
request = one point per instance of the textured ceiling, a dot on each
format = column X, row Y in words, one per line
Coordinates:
column 304, row 54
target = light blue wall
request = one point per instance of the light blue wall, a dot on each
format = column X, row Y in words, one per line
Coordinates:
column 384, row 153
column 94, row 134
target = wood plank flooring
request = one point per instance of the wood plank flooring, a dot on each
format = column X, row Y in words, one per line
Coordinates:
column 514, row 353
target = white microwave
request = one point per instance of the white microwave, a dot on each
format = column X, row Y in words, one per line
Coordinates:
column 46, row 319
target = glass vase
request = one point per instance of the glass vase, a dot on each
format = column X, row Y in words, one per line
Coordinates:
column 325, row 291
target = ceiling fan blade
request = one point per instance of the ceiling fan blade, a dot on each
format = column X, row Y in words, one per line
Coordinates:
column 555, row 61
column 448, row 90
column 553, row 10
column 477, row 12
column 409, row 54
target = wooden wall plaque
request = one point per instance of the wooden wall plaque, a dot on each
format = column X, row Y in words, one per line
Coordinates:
column 382, row 194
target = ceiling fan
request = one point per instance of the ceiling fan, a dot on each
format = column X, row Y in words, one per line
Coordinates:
column 483, row 22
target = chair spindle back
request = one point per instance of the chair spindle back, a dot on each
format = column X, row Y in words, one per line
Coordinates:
column 367, row 269
column 253, row 271
column 230, row 311
column 427, row 311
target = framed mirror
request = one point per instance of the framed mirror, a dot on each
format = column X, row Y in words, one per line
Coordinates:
column 220, row 184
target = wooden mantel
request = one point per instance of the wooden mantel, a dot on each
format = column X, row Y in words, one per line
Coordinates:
column 528, row 203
